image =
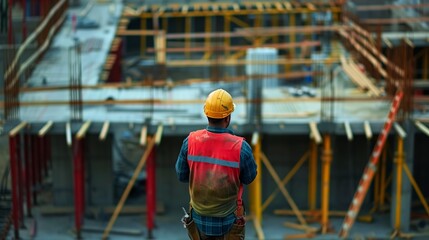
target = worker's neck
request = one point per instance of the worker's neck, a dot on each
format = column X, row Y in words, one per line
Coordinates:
column 218, row 125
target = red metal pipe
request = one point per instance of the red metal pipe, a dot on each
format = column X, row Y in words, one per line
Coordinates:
column 78, row 185
column 34, row 166
column 24, row 19
column 14, row 176
column 28, row 173
column 20, row 179
column 42, row 157
column 9, row 22
column 151, row 191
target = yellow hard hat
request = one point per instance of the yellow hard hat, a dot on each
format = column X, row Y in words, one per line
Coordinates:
column 219, row 104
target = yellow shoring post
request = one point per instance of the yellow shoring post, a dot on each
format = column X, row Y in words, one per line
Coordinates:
column 292, row 39
column 227, row 28
column 207, row 43
column 187, row 40
column 286, row 179
column 416, row 188
column 312, row 176
column 165, row 24
column 255, row 187
column 399, row 163
column 282, row 188
column 326, row 171
column 143, row 37
column 275, row 23
column 258, row 23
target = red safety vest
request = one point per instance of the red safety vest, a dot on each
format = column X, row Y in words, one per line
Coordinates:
column 214, row 180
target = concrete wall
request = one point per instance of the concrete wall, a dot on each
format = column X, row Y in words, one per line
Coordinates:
column 98, row 171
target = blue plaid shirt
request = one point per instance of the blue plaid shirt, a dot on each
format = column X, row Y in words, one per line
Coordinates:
column 217, row 226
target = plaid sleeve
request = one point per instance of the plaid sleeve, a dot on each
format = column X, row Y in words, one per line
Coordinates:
column 247, row 164
column 182, row 167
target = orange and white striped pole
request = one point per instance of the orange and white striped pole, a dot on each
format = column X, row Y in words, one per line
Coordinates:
column 370, row 169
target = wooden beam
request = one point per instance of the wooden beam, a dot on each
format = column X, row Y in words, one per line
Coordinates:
column 17, row 129
column 348, row 129
column 104, row 131
column 127, row 190
column 422, row 127
column 68, row 134
column 314, row 132
column 143, row 136
column 158, row 134
column 367, row 128
column 45, row 128
column 82, row 131
column 399, row 130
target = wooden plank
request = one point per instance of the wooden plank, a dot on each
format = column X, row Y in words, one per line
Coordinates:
column 143, row 136
column 45, row 128
column 17, row 129
column 121, row 231
column 367, row 128
column 314, row 132
column 127, row 190
column 68, row 134
column 158, row 134
column 104, row 131
column 82, row 131
column 300, row 227
column 399, row 130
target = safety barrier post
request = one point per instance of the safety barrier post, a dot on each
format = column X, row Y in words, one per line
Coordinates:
column 28, row 173
column 15, row 177
column 79, row 177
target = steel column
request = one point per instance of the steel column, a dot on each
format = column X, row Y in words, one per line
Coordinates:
column 78, row 177
column 28, row 173
column 151, row 191
column 14, row 177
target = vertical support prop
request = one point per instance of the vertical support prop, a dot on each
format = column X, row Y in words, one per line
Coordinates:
column 78, row 185
column 14, row 177
column 326, row 171
column 207, row 43
column 255, row 187
column 188, row 26
column 28, row 173
column 9, row 22
column 143, row 37
column 312, row 177
column 227, row 29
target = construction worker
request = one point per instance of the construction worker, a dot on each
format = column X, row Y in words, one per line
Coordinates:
column 216, row 163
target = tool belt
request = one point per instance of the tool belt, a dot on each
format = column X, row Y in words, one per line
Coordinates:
column 237, row 231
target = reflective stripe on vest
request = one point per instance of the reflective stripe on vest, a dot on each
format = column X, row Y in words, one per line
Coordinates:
column 214, row 162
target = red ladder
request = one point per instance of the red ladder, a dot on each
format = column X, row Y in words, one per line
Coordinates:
column 370, row 169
